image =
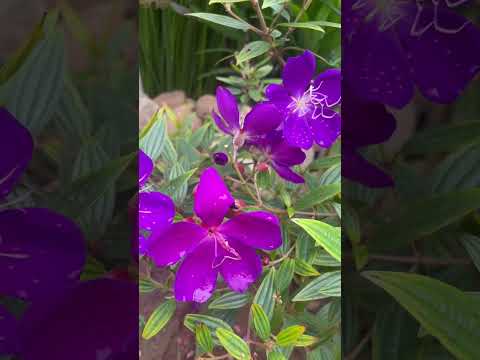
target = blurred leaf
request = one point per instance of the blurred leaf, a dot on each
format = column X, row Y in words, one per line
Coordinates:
column 176, row 187
column 331, row 176
column 153, row 140
column 303, row 268
column 317, row 196
column 204, row 338
column 192, row 320
column 324, row 234
column 321, row 353
column 225, row 1
column 158, row 319
column 285, row 274
column 306, row 340
column 289, row 335
column 230, row 300
column 271, row 3
column 252, row 50
column 276, row 355
column 234, row 344
column 261, row 323
column 445, row 312
column 472, row 245
column 265, row 293
column 222, row 20
column 326, row 285
column 322, row 258
column 146, row 286
column 424, row 217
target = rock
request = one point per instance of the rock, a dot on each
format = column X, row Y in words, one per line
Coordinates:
column 205, row 105
column 146, row 108
column 172, row 99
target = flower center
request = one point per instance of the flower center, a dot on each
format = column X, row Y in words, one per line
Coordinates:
column 309, row 102
column 226, row 251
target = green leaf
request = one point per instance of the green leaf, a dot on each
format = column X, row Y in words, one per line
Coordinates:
column 289, row 335
column 192, row 320
column 276, row 355
column 443, row 310
column 222, row 20
column 472, row 245
column 322, row 258
column 261, row 323
column 303, row 268
column 204, row 338
column 326, row 285
column 146, row 286
column 332, row 175
column 324, row 235
column 265, row 293
column 423, row 218
column 285, row 274
column 225, row 1
column 158, row 319
column 252, row 50
column 321, row 353
column 234, row 344
column 306, row 340
column 317, row 196
column 270, row 3
column 230, row 300
column 43, row 69
column 176, row 187
column 444, row 138
column 153, row 141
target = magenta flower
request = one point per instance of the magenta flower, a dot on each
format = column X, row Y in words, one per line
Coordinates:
column 261, row 120
column 307, row 103
column 216, row 246
column 388, row 50
column 145, row 168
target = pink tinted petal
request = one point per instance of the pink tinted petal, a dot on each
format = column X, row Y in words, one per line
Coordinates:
column 196, row 277
column 227, row 105
column 329, row 84
column 167, row 246
column 16, row 147
column 298, row 72
column 221, row 124
column 326, row 130
column 145, row 168
column 240, row 274
column 284, row 154
column 155, row 209
column 258, row 229
column 8, row 332
column 357, row 169
column 41, row 253
column 287, row 174
column 212, row 198
column 262, row 119
column 297, row 132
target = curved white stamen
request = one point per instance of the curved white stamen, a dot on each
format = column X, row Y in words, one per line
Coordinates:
column 14, row 256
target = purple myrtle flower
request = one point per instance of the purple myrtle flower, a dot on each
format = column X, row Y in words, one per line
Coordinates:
column 390, row 49
column 41, row 252
column 307, row 102
column 145, row 168
column 220, row 158
column 261, row 120
column 215, row 246
column 364, row 123
column 282, row 156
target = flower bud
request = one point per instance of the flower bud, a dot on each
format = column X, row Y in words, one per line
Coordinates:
column 220, row 158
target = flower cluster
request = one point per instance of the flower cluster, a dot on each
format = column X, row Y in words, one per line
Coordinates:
column 208, row 245
column 296, row 114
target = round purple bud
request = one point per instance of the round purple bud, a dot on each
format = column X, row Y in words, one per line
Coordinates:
column 220, row 158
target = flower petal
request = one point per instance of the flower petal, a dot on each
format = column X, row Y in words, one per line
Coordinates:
column 145, row 168
column 278, row 95
column 167, row 246
column 262, row 119
column 212, row 198
column 16, row 147
column 329, row 85
column 298, row 72
column 8, row 332
column 105, row 310
column 357, row 169
column 286, row 155
column 240, row 274
column 227, row 105
column 196, row 277
column 258, row 229
column 287, row 174
column 41, row 253
column 155, row 210
column 221, row 124
column 297, row 132
column 326, row 130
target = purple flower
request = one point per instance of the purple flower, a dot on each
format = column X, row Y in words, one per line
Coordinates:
column 145, row 168
column 220, row 158
column 364, row 123
column 308, row 103
column 215, row 246
column 388, row 50
column 261, row 120
column 41, row 252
